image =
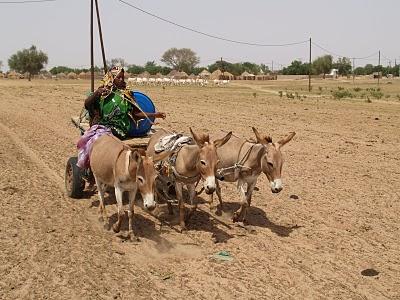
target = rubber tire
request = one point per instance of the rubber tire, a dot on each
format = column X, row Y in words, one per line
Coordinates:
column 74, row 183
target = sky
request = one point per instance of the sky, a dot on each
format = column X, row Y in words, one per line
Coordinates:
column 352, row 28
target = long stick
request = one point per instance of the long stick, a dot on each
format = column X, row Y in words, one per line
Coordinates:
column 309, row 71
column 91, row 47
column 101, row 37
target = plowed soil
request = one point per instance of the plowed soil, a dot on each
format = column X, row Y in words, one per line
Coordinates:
column 337, row 215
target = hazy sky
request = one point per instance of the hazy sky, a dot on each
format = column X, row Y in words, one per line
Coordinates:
column 355, row 28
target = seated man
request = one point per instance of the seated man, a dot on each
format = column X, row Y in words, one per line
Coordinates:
column 113, row 106
column 112, row 109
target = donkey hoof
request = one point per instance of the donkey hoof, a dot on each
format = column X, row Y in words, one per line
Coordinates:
column 236, row 217
column 116, row 228
column 183, row 228
column 133, row 237
column 107, row 226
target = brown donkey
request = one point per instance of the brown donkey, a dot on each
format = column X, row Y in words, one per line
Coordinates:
column 244, row 161
column 116, row 165
column 191, row 163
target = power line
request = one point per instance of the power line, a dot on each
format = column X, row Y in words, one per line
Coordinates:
column 339, row 55
column 25, row 1
column 208, row 34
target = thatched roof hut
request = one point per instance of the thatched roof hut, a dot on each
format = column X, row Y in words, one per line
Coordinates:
column 82, row 75
column 181, row 75
column 205, row 74
column 172, row 73
column 13, row 75
column 1, row 75
column 61, row 75
column 72, row 75
column 247, row 76
column 192, row 76
column 228, row 76
column 217, row 74
column 145, row 74
column 159, row 75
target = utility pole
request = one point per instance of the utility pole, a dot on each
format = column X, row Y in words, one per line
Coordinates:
column 379, row 63
column 272, row 66
column 353, row 71
column 309, row 71
column 101, row 37
column 91, row 47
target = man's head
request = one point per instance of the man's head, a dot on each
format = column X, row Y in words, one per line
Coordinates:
column 119, row 77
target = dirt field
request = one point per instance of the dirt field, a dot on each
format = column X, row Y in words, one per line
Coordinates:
column 343, row 165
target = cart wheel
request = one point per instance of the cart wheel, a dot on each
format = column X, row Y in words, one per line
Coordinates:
column 74, row 183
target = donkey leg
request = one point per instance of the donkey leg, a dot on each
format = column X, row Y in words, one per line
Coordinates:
column 250, row 188
column 192, row 198
column 118, row 196
column 181, row 204
column 132, row 196
column 218, row 191
column 102, row 209
column 238, row 215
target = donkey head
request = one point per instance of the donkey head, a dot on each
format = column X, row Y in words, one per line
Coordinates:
column 145, row 178
column 208, row 158
column 272, row 160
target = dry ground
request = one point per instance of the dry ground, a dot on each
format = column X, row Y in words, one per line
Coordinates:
column 343, row 165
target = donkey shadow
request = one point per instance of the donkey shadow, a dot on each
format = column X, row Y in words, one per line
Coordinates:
column 256, row 217
column 142, row 226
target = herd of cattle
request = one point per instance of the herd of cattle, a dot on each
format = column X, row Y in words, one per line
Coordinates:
column 176, row 82
column 205, row 158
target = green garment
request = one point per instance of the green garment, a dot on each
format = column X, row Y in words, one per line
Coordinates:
column 114, row 114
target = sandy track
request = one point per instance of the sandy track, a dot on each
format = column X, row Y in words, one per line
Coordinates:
column 343, row 164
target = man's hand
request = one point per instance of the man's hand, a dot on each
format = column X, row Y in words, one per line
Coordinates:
column 161, row 115
column 101, row 90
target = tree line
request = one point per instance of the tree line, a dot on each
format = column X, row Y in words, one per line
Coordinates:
column 32, row 61
column 324, row 64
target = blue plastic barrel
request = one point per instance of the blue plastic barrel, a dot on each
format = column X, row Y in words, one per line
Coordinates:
column 143, row 126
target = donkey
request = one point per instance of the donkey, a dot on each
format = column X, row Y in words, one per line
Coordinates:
column 115, row 164
column 243, row 161
column 191, row 163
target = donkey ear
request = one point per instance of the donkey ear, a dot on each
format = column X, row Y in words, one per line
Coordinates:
column 286, row 139
column 200, row 139
column 136, row 157
column 221, row 142
column 260, row 140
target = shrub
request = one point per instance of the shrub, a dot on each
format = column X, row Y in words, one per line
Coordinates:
column 376, row 94
column 289, row 95
column 280, row 94
column 357, row 89
column 342, row 94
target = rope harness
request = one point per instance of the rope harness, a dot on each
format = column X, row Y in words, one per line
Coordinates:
column 168, row 173
column 239, row 165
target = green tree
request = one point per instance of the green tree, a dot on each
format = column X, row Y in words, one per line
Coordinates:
column 135, row 69
column 61, row 69
column 152, row 67
column 368, row 69
column 29, row 61
column 265, row 68
column 343, row 65
column 359, row 71
column 116, row 62
column 183, row 59
column 296, row 68
column 322, row 64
